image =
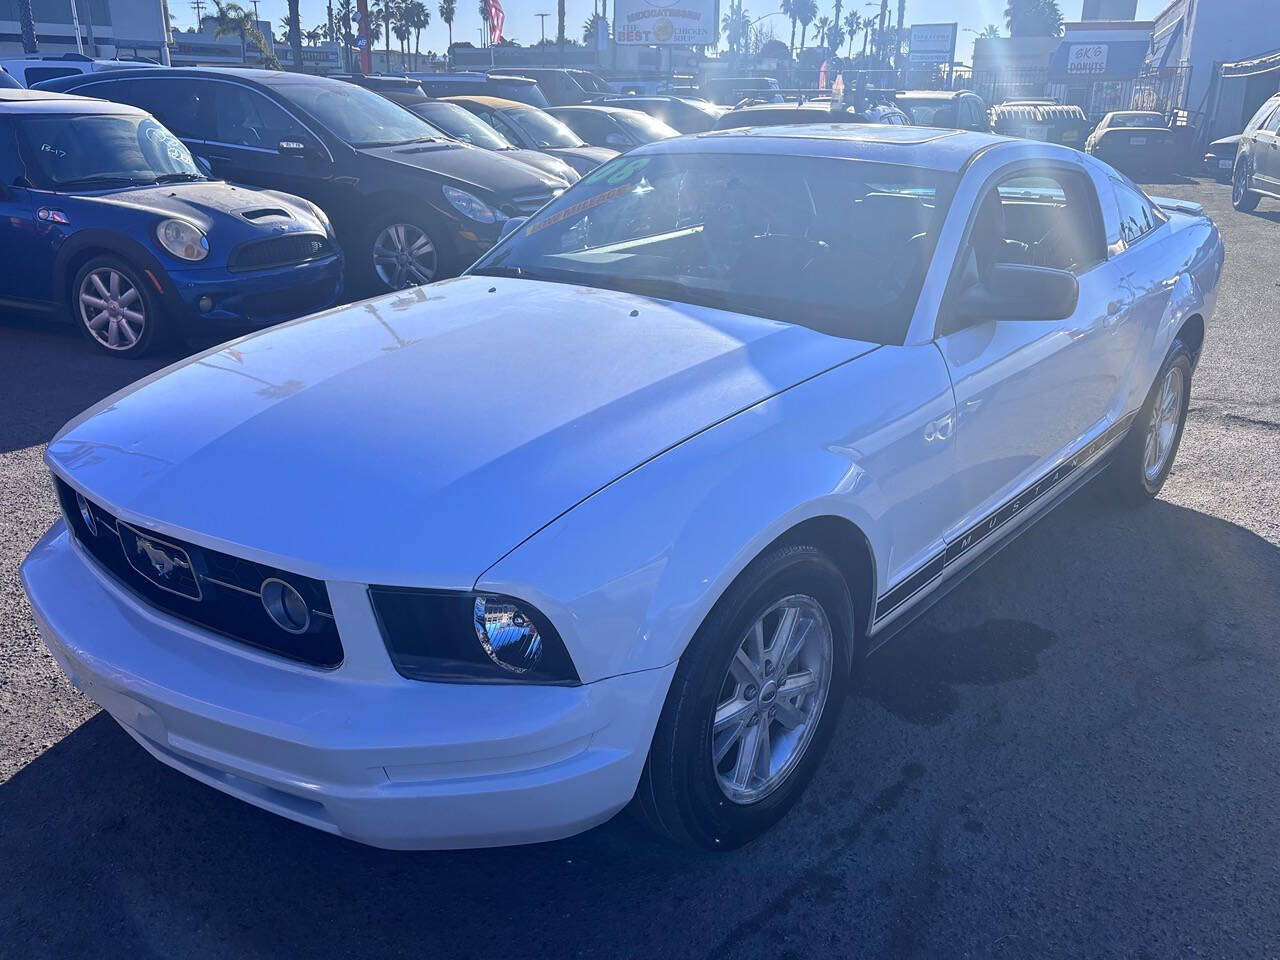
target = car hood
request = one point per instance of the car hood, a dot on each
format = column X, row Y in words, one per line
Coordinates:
column 553, row 166
column 583, row 159
column 417, row 438
column 206, row 202
column 481, row 170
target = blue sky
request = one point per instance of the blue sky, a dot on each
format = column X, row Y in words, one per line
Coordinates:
column 522, row 24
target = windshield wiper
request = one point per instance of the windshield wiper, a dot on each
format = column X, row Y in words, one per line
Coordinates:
column 501, row 270
column 103, row 182
column 394, row 143
column 179, row 177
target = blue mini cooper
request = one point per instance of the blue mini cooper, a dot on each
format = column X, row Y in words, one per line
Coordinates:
column 105, row 218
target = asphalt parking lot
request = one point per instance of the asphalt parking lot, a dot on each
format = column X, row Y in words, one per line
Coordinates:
column 1077, row 754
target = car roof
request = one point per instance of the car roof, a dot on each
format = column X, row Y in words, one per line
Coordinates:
column 930, row 148
column 930, row 94
column 588, row 108
column 493, row 103
column 18, row 102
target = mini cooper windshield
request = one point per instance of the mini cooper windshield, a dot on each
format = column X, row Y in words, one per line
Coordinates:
column 838, row 245
column 98, row 152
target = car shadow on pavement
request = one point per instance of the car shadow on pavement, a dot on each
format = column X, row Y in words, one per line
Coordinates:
column 1096, row 620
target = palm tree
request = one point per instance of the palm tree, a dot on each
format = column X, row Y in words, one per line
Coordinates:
column 990, row 32
column 381, row 16
column 448, row 9
column 1033, row 18
column 28, row 18
column 735, row 25
column 589, row 29
column 484, row 19
column 822, row 30
column 805, row 12
column 295, row 34
column 345, row 9
column 418, row 18
column 789, row 7
column 852, row 24
column 897, row 36
column 314, row 35
column 232, row 20
column 560, row 28
column 837, row 35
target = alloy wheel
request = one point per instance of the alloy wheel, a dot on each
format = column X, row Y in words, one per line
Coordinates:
column 1240, row 186
column 404, row 256
column 112, row 309
column 771, row 699
column 1163, row 427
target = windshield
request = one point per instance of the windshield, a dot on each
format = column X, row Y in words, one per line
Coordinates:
column 542, row 129
column 938, row 114
column 643, row 127
column 461, row 125
column 102, row 151
column 1136, row 120
column 838, row 245
column 358, row 116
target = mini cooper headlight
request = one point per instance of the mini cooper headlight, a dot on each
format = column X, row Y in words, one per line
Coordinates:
column 184, row 240
column 471, row 206
column 469, row 637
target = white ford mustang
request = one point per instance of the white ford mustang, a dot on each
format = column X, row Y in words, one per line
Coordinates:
column 618, row 514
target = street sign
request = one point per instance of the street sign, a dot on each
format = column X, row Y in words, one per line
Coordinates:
column 932, row 44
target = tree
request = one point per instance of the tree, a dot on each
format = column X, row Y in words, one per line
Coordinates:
column 314, row 35
column 589, row 29
column 821, row 30
column 836, row 36
column 560, row 27
column 898, row 37
column 735, row 25
column 1033, row 18
column 343, row 14
column 232, row 20
column 789, row 7
column 990, row 32
column 853, row 23
column 448, row 9
column 806, row 10
column 417, row 17
column 28, row 19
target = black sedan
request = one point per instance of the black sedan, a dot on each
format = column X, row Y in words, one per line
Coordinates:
column 409, row 205
column 685, row 114
column 1220, row 158
column 612, row 127
column 1133, row 141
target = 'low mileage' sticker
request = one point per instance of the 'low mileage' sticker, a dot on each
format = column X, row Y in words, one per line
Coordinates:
column 580, row 207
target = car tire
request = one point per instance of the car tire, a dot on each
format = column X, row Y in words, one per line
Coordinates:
column 1145, row 457
column 699, row 786
column 114, row 308
column 1242, row 198
column 399, row 234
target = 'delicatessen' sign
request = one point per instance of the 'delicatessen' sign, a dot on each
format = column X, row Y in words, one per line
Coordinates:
column 665, row 22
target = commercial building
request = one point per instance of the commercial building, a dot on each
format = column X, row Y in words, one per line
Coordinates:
column 1097, row 65
column 106, row 28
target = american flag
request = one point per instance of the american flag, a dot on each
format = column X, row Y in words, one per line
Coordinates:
column 496, row 19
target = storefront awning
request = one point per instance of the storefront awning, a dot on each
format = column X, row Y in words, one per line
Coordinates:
column 1247, row 68
column 1119, row 60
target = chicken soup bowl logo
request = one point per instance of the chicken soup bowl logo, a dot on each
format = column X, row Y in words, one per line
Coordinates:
column 663, row 30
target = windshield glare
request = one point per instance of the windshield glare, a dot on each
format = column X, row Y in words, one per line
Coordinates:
column 461, row 125
column 643, row 127
column 358, row 116
column 84, row 150
column 542, row 128
column 838, row 245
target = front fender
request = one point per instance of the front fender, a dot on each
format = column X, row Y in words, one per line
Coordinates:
column 628, row 575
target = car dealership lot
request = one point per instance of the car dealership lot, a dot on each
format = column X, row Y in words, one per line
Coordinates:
column 1076, row 754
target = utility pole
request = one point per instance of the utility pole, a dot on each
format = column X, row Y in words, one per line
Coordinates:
column 198, row 7
column 542, row 21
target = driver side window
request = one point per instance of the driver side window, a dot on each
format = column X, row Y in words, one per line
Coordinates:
column 1042, row 218
column 248, row 119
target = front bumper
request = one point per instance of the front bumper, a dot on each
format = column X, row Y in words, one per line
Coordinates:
column 252, row 299
column 356, row 751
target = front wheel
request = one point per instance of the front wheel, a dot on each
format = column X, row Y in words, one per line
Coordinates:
column 1242, row 198
column 113, row 308
column 1145, row 457
column 753, row 704
column 404, row 250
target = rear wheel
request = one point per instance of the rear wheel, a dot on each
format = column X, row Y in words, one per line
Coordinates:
column 753, row 704
column 113, row 308
column 1145, row 457
column 1242, row 198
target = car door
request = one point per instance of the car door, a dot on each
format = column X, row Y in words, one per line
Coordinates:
column 255, row 140
column 1030, row 394
column 27, row 244
column 1267, row 153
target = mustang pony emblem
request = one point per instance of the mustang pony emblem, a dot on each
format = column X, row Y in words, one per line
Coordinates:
column 161, row 560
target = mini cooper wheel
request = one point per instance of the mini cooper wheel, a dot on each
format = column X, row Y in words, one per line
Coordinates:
column 1145, row 457
column 404, row 251
column 113, row 308
column 753, row 704
column 1242, row 198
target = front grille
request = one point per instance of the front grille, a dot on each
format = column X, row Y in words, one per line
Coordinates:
column 526, row 205
column 212, row 590
column 294, row 301
column 279, row 251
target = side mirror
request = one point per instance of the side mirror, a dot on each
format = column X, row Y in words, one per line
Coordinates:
column 511, row 226
column 205, row 166
column 1016, row 292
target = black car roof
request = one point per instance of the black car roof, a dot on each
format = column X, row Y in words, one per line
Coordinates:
column 15, row 102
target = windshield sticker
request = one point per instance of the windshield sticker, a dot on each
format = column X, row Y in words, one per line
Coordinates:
column 50, row 148
column 580, row 207
column 620, row 173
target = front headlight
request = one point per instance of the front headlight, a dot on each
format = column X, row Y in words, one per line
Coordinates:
column 184, row 240
column 471, row 206
column 469, row 637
